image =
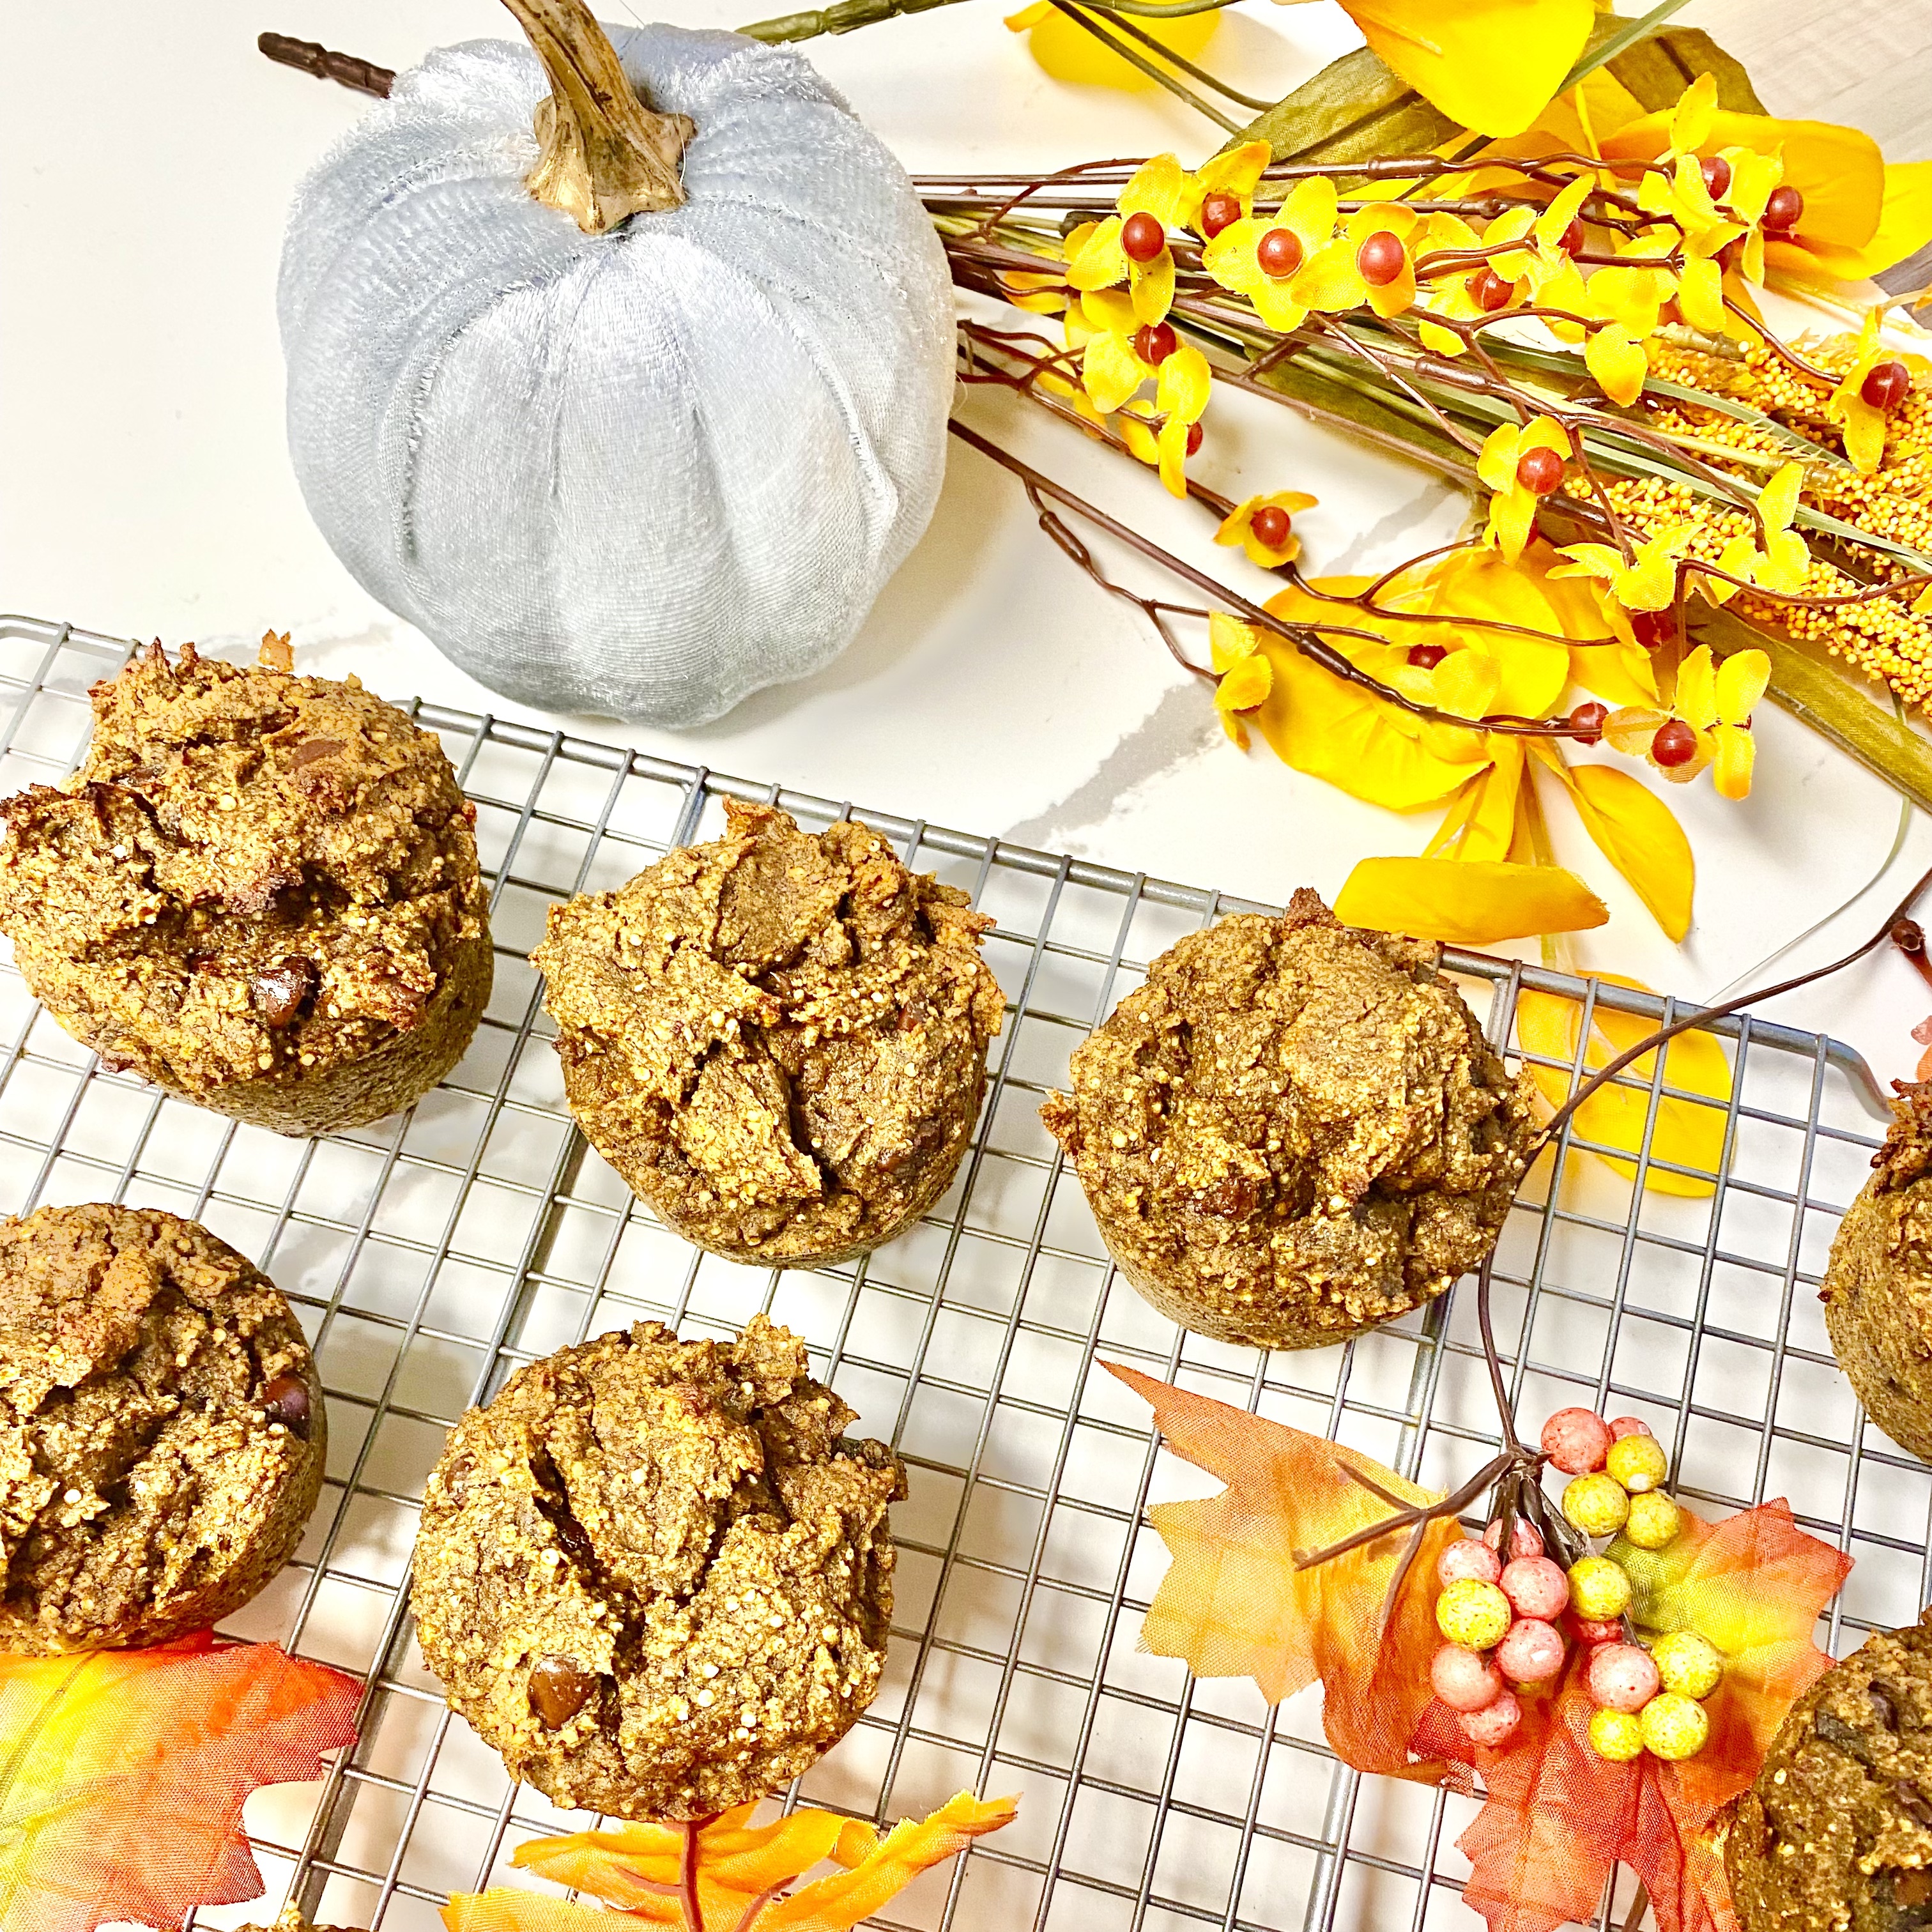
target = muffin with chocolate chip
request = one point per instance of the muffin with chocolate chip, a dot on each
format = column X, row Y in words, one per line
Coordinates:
column 162, row 1432
column 1294, row 1131
column 260, row 892
column 1877, row 1290
column 654, row 1575
column 1835, row 1834
column 777, row 1039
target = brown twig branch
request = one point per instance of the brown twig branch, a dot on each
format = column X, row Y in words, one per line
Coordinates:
column 325, row 64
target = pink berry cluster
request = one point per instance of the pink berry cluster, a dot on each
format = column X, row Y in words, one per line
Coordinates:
column 1499, row 1611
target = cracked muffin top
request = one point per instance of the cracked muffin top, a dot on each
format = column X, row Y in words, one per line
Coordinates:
column 1835, row 1833
column 1294, row 1130
column 777, row 1039
column 161, row 1429
column 256, row 878
column 654, row 1576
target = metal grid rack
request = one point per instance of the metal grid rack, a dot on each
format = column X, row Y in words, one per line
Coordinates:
column 433, row 1253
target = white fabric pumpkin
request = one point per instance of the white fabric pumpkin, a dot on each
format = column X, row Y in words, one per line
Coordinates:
column 642, row 473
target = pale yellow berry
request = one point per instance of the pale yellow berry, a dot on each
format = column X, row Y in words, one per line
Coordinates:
column 1473, row 1613
column 1654, row 1520
column 1638, row 1462
column 1688, row 1663
column 1674, row 1726
column 1599, row 1589
column 1616, row 1735
column 1597, row 1505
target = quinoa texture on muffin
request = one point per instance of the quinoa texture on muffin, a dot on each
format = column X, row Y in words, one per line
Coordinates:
column 1295, row 1131
column 260, row 892
column 777, row 1039
column 1835, row 1833
column 654, row 1575
column 1877, row 1290
column 162, row 1429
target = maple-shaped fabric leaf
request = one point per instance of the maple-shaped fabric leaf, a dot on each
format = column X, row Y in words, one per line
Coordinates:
column 122, row 1774
column 1557, row 1818
column 1232, row 1603
column 734, row 1871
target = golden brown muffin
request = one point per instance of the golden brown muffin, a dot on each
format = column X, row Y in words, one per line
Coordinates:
column 1877, row 1290
column 779, row 1039
column 259, row 893
column 162, row 1429
column 1835, row 1835
column 1294, row 1131
column 652, row 1574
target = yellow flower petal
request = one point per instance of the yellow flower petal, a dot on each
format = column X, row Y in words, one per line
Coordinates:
column 1185, row 381
column 1737, row 752
column 1778, row 501
column 1617, row 362
column 1233, row 171
column 1064, row 48
column 1474, row 902
column 1700, row 295
column 1111, row 371
column 1691, row 118
column 1310, row 212
column 1697, row 689
column 1245, row 685
column 1686, row 1133
column 1742, row 679
column 1153, row 285
column 1554, row 222
column 1465, row 683
column 1330, row 280
column 1638, row 833
column 1488, row 64
column 1229, row 640
column 1099, row 261
column 1512, row 516
column 1495, row 466
column 1160, row 187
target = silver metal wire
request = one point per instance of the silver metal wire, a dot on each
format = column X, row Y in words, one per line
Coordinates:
column 433, row 1254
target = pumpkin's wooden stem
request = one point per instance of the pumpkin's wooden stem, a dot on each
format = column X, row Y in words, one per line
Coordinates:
column 606, row 156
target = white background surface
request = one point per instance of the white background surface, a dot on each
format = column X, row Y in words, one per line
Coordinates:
column 147, row 156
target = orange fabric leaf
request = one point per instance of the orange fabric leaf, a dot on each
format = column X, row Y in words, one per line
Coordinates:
column 1637, row 832
column 1687, row 1133
column 125, row 1772
column 740, row 1869
column 1232, row 1604
column 1557, row 1817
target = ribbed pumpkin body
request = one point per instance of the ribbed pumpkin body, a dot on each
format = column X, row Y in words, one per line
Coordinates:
column 642, row 473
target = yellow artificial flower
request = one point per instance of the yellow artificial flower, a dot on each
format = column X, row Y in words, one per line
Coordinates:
column 1512, row 506
column 1235, row 171
column 1068, row 51
column 1233, row 258
column 1647, row 582
column 1452, row 295
column 1102, row 325
column 1246, row 677
column 1863, row 425
column 1237, row 527
column 1333, row 280
column 1717, row 700
column 1784, row 560
column 1182, row 382
column 1159, row 188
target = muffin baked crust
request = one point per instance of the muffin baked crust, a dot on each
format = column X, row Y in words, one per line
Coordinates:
column 1294, row 1131
column 1835, row 1834
column 653, row 1575
column 162, row 1429
column 777, row 1039
column 260, row 893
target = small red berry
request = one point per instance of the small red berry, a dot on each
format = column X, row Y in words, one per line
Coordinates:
column 1279, row 254
column 1194, row 435
column 1575, row 1441
column 1716, row 173
column 1572, row 238
column 1783, row 210
column 1675, row 743
column 1886, row 386
column 1539, row 471
column 1653, row 629
column 1380, row 259
column 1586, row 722
column 1426, row 657
column 1271, row 524
column 1525, row 1539
column 1489, row 291
column 1142, row 237
column 1153, row 343
column 1219, row 211
column 1622, row 1426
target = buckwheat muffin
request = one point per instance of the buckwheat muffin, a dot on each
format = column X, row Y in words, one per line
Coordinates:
column 777, row 1039
column 1877, row 1292
column 260, row 893
column 1835, row 1835
column 654, row 1576
column 1294, row 1131
column 162, row 1429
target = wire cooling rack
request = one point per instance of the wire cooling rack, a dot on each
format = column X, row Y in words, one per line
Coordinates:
column 431, row 1254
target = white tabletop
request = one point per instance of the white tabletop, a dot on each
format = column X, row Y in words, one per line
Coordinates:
column 146, row 491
